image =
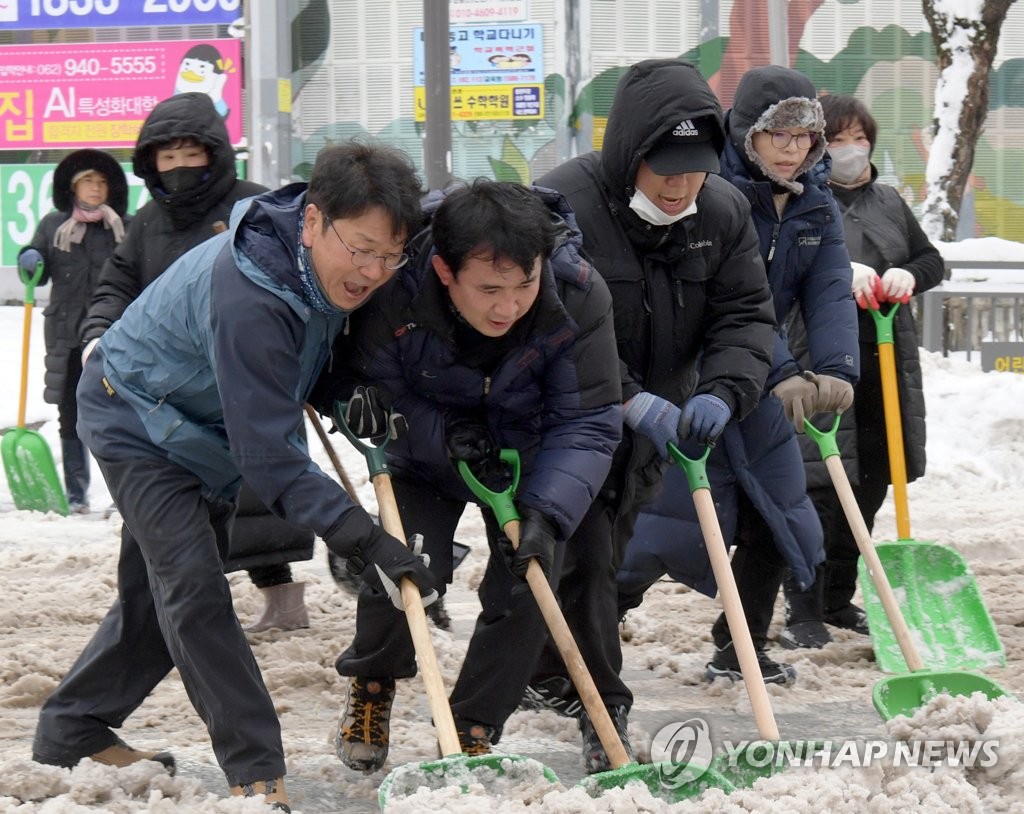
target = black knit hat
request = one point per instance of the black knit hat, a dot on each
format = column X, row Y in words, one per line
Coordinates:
column 81, row 161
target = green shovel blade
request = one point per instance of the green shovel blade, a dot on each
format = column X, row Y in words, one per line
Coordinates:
column 31, row 473
column 906, row 694
column 941, row 603
column 667, row 781
column 463, row 771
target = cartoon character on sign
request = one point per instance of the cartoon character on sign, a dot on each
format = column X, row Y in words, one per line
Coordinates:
column 203, row 70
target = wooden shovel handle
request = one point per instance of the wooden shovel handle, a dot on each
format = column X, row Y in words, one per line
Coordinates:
column 570, row 652
column 426, row 658
column 867, row 550
column 741, row 640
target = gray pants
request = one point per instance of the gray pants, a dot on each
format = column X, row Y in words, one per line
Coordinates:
column 173, row 609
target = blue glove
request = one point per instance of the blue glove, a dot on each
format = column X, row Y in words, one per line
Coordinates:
column 703, row 419
column 656, row 418
column 28, row 260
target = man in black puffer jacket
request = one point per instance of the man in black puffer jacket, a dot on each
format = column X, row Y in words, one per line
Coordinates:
column 677, row 248
column 184, row 155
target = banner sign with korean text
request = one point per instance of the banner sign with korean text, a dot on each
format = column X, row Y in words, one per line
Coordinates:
column 99, row 94
column 43, row 14
column 497, row 71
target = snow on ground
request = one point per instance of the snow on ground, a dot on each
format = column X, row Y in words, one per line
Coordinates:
column 57, row 579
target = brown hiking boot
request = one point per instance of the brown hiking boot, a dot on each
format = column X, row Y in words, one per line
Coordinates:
column 121, row 755
column 363, row 730
column 474, row 738
column 273, row 790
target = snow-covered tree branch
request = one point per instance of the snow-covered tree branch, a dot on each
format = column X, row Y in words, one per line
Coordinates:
column 966, row 36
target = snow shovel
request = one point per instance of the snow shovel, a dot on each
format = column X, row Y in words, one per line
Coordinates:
column 903, row 694
column 938, row 593
column 454, row 768
column 28, row 462
column 669, row 780
column 736, row 770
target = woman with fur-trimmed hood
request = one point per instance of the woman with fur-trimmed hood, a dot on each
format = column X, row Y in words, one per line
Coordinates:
column 775, row 156
column 90, row 196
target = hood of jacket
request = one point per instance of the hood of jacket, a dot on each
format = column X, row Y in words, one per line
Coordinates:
column 186, row 115
column 89, row 159
column 775, row 98
column 652, row 97
column 277, row 213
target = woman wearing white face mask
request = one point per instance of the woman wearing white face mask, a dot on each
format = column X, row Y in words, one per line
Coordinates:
column 892, row 260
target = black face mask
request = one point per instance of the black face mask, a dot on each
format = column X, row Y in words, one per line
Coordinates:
column 181, row 179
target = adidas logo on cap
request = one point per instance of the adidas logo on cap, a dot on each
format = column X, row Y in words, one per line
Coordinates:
column 685, row 128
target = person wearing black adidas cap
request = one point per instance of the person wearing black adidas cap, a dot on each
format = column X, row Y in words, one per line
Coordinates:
column 775, row 156
column 676, row 245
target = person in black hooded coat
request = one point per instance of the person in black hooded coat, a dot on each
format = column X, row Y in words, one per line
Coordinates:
column 191, row 203
column 90, row 195
column 693, row 326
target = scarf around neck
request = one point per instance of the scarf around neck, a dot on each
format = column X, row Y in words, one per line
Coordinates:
column 73, row 229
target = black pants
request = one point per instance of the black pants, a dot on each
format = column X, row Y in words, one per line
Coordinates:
column 841, row 550
column 73, row 453
column 173, row 609
column 509, row 633
column 588, row 593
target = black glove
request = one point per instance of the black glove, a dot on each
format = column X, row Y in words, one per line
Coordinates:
column 367, row 416
column 469, row 440
column 380, row 559
column 537, row 539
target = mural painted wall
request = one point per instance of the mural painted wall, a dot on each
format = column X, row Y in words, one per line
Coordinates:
column 356, row 76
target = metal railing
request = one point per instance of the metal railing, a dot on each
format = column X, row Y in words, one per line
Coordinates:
column 958, row 315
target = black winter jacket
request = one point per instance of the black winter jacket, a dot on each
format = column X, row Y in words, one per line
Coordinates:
column 554, row 395
column 881, row 232
column 694, row 289
column 169, row 225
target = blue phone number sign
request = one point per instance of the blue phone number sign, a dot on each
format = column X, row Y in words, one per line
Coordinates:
column 15, row 14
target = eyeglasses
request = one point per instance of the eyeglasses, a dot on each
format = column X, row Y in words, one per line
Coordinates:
column 363, row 257
column 781, row 140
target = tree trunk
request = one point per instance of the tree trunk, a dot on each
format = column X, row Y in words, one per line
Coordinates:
column 965, row 48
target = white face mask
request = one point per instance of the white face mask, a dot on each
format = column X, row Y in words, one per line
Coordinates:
column 849, row 162
column 649, row 211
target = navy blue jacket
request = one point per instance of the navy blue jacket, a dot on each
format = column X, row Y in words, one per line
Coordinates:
column 554, row 396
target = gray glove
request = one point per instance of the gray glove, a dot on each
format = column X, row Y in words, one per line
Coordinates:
column 834, row 395
column 368, row 417
column 799, row 397
column 28, row 260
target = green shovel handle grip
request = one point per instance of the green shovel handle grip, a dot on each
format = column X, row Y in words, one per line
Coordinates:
column 825, row 439
column 31, row 281
column 376, row 461
column 695, row 468
column 883, row 324
column 501, row 503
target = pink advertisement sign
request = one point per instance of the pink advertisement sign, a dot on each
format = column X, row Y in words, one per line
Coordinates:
column 98, row 94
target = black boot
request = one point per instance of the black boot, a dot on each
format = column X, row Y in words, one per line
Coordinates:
column 841, row 578
column 805, row 611
column 76, row 474
column 757, row 581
